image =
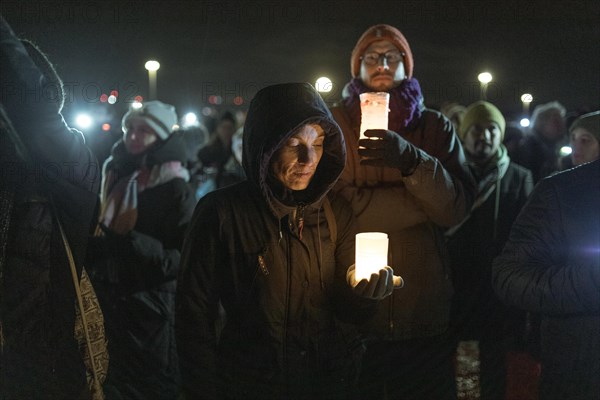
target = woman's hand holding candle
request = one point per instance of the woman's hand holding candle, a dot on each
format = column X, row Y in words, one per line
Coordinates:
column 379, row 285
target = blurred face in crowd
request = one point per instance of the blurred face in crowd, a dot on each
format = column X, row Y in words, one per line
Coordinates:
column 552, row 126
column 381, row 66
column 455, row 119
column 482, row 141
column 225, row 130
column 139, row 136
column 585, row 146
column 295, row 163
column 237, row 146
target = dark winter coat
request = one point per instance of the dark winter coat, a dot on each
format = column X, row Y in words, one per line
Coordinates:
column 412, row 211
column 285, row 295
column 215, row 154
column 135, row 279
column 233, row 172
column 42, row 160
column 476, row 311
column 537, row 155
column 551, row 265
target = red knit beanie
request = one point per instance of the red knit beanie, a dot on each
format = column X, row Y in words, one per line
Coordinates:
column 374, row 34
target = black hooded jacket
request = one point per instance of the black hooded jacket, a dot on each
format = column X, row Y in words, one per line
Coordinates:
column 285, row 297
column 135, row 278
column 42, row 161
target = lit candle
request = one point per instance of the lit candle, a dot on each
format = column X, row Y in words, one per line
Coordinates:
column 371, row 254
column 374, row 109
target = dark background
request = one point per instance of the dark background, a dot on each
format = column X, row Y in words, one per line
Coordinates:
column 233, row 48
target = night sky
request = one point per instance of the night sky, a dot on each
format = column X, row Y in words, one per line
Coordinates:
column 233, row 48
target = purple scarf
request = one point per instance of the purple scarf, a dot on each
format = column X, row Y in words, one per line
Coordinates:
column 406, row 103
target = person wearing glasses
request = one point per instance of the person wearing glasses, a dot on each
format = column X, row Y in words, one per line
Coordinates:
column 411, row 183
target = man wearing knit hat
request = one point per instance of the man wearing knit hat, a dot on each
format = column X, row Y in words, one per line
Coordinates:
column 502, row 189
column 585, row 138
column 410, row 183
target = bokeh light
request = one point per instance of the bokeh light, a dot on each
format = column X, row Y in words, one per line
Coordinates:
column 323, row 84
column 83, row 121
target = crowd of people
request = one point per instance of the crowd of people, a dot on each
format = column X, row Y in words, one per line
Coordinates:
column 222, row 263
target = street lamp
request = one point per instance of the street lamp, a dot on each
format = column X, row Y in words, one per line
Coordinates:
column 526, row 99
column 323, row 84
column 152, row 66
column 484, row 78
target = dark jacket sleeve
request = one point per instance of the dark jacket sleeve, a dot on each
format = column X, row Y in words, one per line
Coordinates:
column 442, row 181
column 197, row 303
column 179, row 216
column 441, row 189
column 533, row 273
column 138, row 257
column 162, row 257
column 154, row 260
column 132, row 261
column 525, row 189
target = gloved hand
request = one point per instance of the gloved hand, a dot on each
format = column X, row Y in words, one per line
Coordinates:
column 119, row 245
column 388, row 149
column 146, row 246
column 379, row 286
column 133, row 243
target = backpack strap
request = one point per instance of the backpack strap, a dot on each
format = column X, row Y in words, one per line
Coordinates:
column 95, row 373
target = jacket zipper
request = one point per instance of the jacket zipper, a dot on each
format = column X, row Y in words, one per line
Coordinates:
column 391, row 316
column 391, row 300
column 300, row 221
column 287, row 304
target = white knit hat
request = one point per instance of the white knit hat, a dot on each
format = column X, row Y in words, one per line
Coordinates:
column 159, row 116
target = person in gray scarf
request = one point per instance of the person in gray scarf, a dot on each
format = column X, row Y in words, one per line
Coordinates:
column 502, row 189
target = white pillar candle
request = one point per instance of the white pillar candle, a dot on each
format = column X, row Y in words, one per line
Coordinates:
column 371, row 253
column 374, row 109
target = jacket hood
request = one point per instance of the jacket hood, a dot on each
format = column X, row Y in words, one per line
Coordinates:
column 275, row 113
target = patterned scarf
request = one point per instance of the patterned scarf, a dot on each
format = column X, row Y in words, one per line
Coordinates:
column 406, row 103
column 119, row 206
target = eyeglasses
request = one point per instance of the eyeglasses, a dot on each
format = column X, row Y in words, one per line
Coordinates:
column 392, row 57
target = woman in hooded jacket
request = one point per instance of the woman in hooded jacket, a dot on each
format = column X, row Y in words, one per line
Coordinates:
column 276, row 251
column 146, row 205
